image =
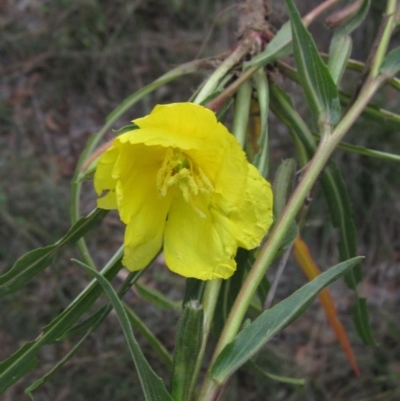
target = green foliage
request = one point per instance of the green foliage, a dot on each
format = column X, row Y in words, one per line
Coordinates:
column 243, row 87
column 35, row 261
column 152, row 385
column 189, row 339
column 319, row 88
column 269, row 323
column 279, row 47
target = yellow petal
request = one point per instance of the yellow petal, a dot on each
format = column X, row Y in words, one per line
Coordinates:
column 103, row 179
column 254, row 217
column 193, row 246
column 144, row 233
column 180, row 125
column 249, row 222
column 135, row 171
column 230, row 179
column 108, row 202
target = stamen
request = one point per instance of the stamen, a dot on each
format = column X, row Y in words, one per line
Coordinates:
column 178, row 169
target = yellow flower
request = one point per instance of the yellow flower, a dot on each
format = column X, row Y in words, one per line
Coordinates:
column 182, row 181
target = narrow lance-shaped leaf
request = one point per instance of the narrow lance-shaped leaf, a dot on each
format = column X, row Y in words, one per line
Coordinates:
column 341, row 44
column 152, row 385
column 153, row 341
column 375, row 154
column 347, row 27
column 269, row 323
column 319, row 89
column 283, row 379
column 24, row 359
column 339, row 53
column 37, row 260
column 90, row 325
column 261, row 159
column 391, row 64
column 35, row 385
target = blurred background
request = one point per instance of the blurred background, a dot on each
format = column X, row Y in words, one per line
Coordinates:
column 64, row 66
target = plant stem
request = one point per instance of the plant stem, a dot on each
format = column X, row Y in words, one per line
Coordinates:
column 210, row 298
column 383, row 44
column 318, row 10
column 242, row 111
column 212, row 82
column 314, row 168
column 216, row 104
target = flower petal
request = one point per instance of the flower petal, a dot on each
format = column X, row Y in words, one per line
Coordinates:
column 250, row 221
column 103, row 179
column 193, row 246
column 135, row 171
column 181, row 125
column 144, row 232
column 108, row 202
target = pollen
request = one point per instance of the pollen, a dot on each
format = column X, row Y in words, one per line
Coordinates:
column 179, row 170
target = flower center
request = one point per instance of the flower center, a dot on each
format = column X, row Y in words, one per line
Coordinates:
column 178, row 169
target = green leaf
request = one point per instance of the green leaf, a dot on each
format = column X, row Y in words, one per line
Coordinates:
column 24, row 359
column 282, row 379
column 68, row 356
column 152, row 385
column 282, row 107
column 86, row 324
column 157, row 346
column 355, row 21
column 341, row 212
column 339, row 54
column 391, row 64
column 341, row 44
column 126, row 128
column 261, row 159
column 230, row 289
column 242, row 111
column 279, row 47
column 156, row 297
column 340, row 208
column 377, row 114
column 319, row 89
column 361, row 320
column 361, row 150
column 91, row 324
column 290, row 236
column 189, row 338
column 250, row 340
column 37, row 260
column 283, row 185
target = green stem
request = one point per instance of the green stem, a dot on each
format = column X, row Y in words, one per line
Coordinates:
column 384, row 42
column 217, row 103
column 212, row 82
column 316, row 165
column 210, row 298
column 242, row 111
